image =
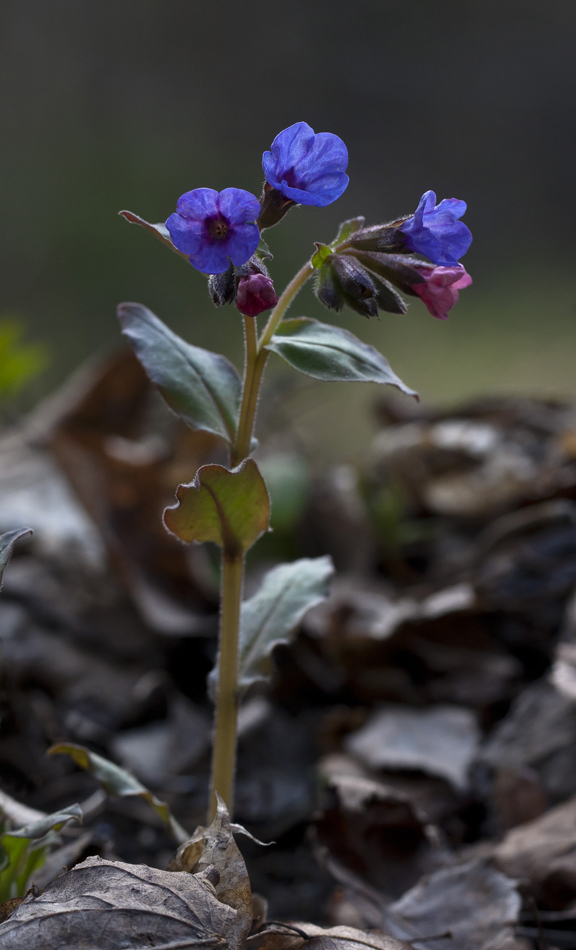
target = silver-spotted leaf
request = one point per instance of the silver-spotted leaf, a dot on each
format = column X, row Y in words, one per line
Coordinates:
column 229, row 507
column 331, row 354
column 203, row 388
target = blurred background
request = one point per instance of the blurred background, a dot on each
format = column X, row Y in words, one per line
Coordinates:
column 127, row 105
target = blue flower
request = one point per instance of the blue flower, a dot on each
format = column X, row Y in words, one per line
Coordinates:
column 307, row 168
column 436, row 232
column 214, row 229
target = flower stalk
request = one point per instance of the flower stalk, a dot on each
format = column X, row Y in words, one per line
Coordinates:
column 224, row 745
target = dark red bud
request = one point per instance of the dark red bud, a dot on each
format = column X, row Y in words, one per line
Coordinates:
column 255, row 295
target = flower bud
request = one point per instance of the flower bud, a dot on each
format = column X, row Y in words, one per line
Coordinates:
column 379, row 237
column 255, row 294
column 403, row 272
column 328, row 289
column 356, row 285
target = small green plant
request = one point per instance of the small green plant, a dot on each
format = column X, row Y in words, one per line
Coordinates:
column 364, row 268
column 24, row 850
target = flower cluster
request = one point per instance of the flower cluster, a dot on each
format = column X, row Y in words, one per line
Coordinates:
column 220, row 232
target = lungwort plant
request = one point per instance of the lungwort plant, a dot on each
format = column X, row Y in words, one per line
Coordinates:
column 364, row 268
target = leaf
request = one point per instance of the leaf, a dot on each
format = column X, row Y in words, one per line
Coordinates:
column 215, row 847
column 117, row 781
column 348, row 228
column 24, row 850
column 159, row 231
column 268, row 618
column 203, row 388
column 323, row 252
column 231, row 508
column 298, row 935
column 7, row 541
column 331, row 354
column 110, row 904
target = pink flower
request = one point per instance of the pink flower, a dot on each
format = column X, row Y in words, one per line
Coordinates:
column 440, row 292
column 255, row 294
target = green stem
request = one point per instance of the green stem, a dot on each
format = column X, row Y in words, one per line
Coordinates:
column 253, row 369
column 284, row 302
column 224, row 747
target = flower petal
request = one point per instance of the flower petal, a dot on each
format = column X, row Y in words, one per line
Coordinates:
column 328, row 154
column 238, row 206
column 210, row 257
column 290, row 146
column 241, row 244
column 198, row 204
column 186, row 233
column 321, row 193
column 453, row 205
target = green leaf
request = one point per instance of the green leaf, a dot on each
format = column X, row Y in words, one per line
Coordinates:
column 231, row 508
column 7, row 542
column 347, row 228
column 159, row 231
column 322, row 253
column 24, row 850
column 331, row 354
column 117, row 781
column 268, row 618
column 203, row 388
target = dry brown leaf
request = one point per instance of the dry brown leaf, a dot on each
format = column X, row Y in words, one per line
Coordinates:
column 8, row 907
column 472, row 901
column 215, row 847
column 112, row 905
column 542, row 853
column 319, row 938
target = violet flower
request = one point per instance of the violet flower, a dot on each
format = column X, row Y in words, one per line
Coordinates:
column 436, row 232
column 305, row 167
column 440, row 292
column 215, row 228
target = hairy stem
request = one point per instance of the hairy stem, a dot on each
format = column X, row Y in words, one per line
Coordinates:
column 224, row 747
column 253, row 369
column 284, row 302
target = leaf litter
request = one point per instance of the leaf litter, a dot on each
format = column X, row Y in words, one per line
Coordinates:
column 411, row 750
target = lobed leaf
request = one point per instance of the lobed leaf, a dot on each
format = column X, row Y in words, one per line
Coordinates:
column 229, row 507
column 269, row 617
column 203, row 388
column 117, row 781
column 331, row 354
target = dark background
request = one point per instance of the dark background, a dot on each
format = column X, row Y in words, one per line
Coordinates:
column 129, row 103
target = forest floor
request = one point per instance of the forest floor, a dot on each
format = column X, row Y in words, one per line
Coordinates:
column 414, row 759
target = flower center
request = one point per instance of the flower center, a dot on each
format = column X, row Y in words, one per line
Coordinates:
column 218, row 228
